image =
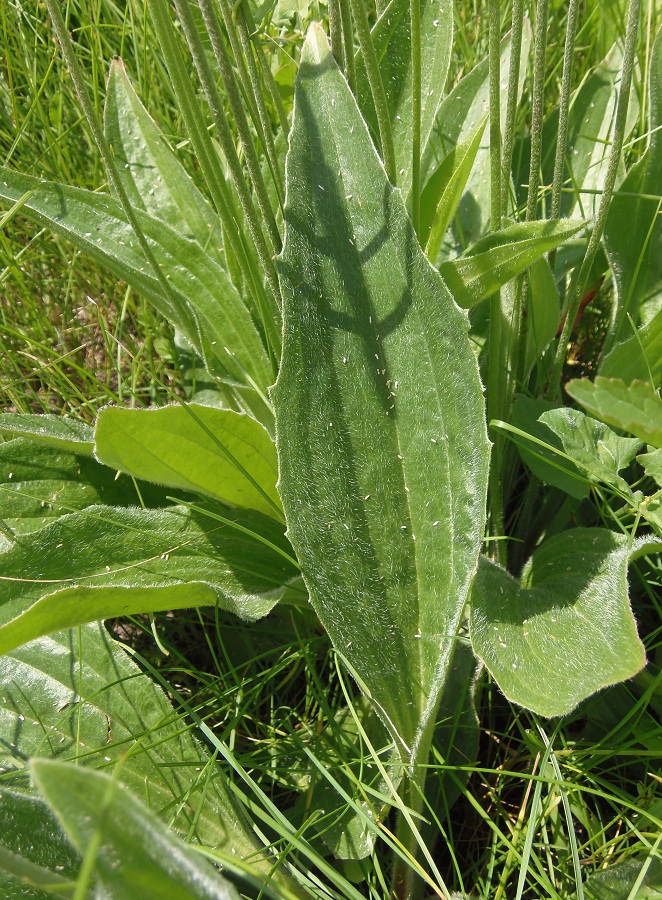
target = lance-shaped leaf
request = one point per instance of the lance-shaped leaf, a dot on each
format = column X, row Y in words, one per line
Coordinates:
column 636, row 407
column 76, row 695
column 39, row 483
column 53, row 431
column 567, row 630
column 107, row 562
column 153, row 177
column 497, row 258
column 380, row 419
column 203, row 303
column 223, row 454
column 134, row 855
column 391, row 36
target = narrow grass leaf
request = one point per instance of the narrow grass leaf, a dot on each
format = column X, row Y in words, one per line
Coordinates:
column 76, row 695
column 53, row 431
column 208, row 309
column 567, row 630
column 392, row 39
column 132, row 853
column 495, row 259
column 216, row 452
column 543, row 312
column 128, row 561
column 381, row 433
column 636, row 407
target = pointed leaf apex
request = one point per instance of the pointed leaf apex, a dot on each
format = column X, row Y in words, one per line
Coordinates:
column 316, row 49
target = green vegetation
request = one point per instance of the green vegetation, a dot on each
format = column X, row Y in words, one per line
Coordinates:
column 331, row 454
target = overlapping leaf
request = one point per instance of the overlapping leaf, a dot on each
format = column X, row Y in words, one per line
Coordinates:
column 636, row 407
column 381, row 433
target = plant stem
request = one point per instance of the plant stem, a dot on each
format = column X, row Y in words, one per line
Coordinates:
column 564, row 109
column 539, row 57
column 495, row 371
column 513, row 91
column 348, row 44
column 335, row 33
column 415, row 17
column 267, row 75
column 376, row 86
column 554, row 384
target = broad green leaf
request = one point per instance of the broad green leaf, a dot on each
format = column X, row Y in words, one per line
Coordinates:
column 544, row 454
column 381, row 433
column 618, row 881
column 391, row 36
column 153, row 178
column 76, row 695
column 458, row 118
column 567, row 630
column 500, row 256
column 592, row 445
column 107, row 562
column 443, row 192
column 53, row 431
column 205, row 307
column 134, row 854
column 636, row 408
column 543, row 315
column 633, row 231
column 223, row 454
column 652, row 463
column 36, row 859
column 39, row 483
column 639, row 358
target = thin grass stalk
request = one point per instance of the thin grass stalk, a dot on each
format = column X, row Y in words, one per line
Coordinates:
column 265, row 130
column 335, row 33
column 554, row 384
column 495, row 371
column 205, row 153
column 537, row 106
column 267, row 75
column 94, row 124
column 348, row 44
column 376, row 86
column 415, row 18
column 264, row 245
column 239, row 115
column 564, row 109
column 513, row 91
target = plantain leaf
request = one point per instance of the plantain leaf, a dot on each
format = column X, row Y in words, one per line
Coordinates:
column 636, row 408
column 134, row 855
column 633, row 231
column 443, row 192
column 153, row 178
column 380, row 424
column 205, row 307
column 500, row 256
column 639, row 358
column 36, row 859
column 76, row 695
column 391, row 36
column 130, row 561
column 632, row 879
column 225, row 455
column 567, row 630
column 53, row 431
column 39, row 483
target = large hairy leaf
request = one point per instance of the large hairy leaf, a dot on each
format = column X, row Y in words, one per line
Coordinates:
column 53, row 431
column 203, row 303
column 223, row 454
column 134, row 854
column 391, row 36
column 107, row 562
column 380, row 418
column 567, row 630
column 633, row 231
column 76, row 695
column 636, row 407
